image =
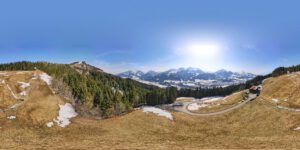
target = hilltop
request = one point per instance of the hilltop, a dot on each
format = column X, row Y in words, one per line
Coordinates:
column 83, row 66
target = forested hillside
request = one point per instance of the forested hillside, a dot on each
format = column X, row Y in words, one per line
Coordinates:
column 108, row 94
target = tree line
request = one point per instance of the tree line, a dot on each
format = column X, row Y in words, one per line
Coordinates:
column 110, row 94
column 285, row 70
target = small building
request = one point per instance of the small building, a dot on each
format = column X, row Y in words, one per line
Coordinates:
column 255, row 90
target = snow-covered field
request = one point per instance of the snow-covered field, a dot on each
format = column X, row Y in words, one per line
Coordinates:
column 158, row 111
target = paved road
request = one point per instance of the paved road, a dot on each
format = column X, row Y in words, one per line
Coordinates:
column 186, row 104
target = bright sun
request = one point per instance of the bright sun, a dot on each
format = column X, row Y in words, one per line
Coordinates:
column 204, row 55
column 208, row 50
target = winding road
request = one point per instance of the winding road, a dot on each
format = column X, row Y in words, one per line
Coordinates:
column 184, row 108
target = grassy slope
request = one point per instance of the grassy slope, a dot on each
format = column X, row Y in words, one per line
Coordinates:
column 37, row 108
column 223, row 104
column 285, row 88
column 255, row 125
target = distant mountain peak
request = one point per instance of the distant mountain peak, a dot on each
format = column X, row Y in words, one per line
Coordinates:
column 82, row 65
column 190, row 77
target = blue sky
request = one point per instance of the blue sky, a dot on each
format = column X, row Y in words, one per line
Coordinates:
column 117, row 35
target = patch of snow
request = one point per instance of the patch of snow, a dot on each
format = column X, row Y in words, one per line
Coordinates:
column 158, row 111
column 298, row 128
column 275, row 100
column 196, row 106
column 23, row 93
column 148, row 82
column 66, row 112
column 45, row 77
column 211, row 99
column 34, row 77
column 49, row 124
column 24, row 84
column 11, row 117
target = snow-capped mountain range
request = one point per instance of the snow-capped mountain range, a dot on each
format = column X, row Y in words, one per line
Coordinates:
column 189, row 77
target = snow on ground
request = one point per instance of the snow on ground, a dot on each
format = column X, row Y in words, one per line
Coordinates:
column 275, row 100
column 211, row 99
column 11, row 117
column 24, row 84
column 45, row 77
column 148, row 82
column 196, row 106
column 49, row 124
column 66, row 112
column 158, row 111
column 23, row 93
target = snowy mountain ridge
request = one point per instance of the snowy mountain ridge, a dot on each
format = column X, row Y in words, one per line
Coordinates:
column 189, row 77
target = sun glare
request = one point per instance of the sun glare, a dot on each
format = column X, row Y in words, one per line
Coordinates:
column 203, row 50
column 205, row 55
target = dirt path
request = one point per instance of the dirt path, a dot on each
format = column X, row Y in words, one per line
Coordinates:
column 185, row 108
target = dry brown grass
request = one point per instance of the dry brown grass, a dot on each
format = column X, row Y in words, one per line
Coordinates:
column 37, row 108
column 184, row 99
column 225, row 103
column 285, row 88
column 256, row 125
